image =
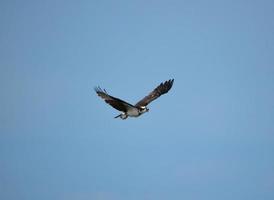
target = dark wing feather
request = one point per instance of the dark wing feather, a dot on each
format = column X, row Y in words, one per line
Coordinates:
column 157, row 92
column 113, row 101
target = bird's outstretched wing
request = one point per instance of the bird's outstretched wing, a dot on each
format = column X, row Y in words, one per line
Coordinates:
column 157, row 92
column 113, row 101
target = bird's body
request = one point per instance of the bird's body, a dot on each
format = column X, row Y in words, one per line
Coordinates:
column 133, row 112
column 140, row 107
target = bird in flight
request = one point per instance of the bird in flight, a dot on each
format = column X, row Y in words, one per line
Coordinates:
column 129, row 110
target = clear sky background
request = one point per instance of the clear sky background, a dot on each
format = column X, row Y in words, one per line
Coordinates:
column 210, row 138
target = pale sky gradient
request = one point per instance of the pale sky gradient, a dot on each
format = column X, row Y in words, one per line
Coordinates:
column 210, row 138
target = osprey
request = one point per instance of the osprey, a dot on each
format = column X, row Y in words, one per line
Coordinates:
column 129, row 110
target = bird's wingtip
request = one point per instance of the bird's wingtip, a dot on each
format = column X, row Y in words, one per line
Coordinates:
column 99, row 89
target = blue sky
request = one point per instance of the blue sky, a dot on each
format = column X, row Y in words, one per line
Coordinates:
column 211, row 137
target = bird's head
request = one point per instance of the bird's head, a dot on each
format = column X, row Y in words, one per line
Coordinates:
column 143, row 109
